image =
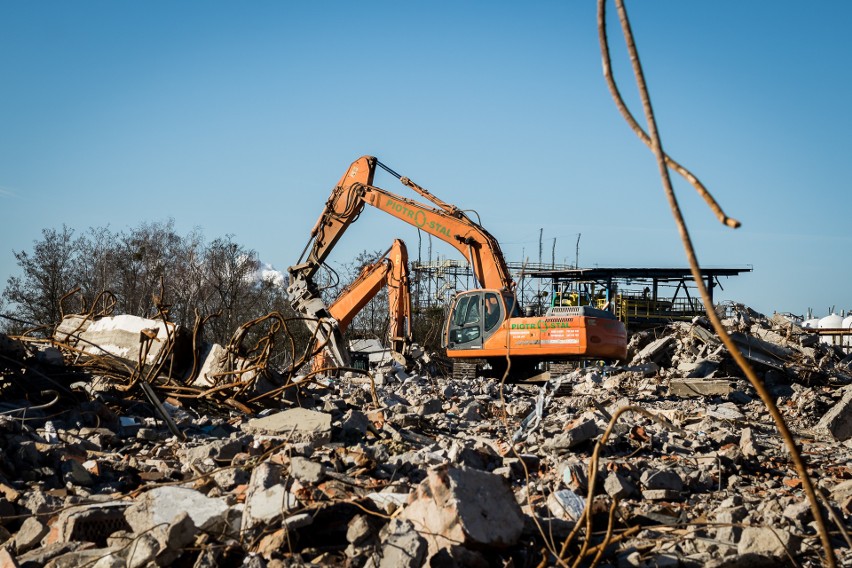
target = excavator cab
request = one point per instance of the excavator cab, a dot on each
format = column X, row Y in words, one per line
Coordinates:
column 476, row 315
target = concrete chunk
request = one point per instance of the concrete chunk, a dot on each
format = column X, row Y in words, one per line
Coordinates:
column 388, row 502
column 767, row 541
column 143, row 551
column 465, row 506
column 697, row 369
column 573, row 436
column 305, row 470
column 358, row 530
column 162, row 505
column 214, row 357
column 660, row 494
column 726, row 411
column 402, row 547
column 30, row 534
column 619, row 486
column 747, row 444
column 220, row 450
column 662, row 479
column 837, row 422
column 297, row 425
column 565, row 504
column 267, row 499
column 842, row 491
column 125, row 336
column 698, row 387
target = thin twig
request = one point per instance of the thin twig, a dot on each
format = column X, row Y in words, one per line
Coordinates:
column 656, row 145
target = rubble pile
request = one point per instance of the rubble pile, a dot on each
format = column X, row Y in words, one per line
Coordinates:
column 410, row 469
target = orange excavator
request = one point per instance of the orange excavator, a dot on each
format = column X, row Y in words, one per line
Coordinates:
column 485, row 323
column 390, row 270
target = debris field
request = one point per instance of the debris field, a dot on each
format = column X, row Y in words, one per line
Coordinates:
column 109, row 457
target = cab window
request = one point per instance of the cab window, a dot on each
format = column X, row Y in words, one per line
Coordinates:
column 472, row 312
column 512, row 306
column 492, row 311
column 461, row 311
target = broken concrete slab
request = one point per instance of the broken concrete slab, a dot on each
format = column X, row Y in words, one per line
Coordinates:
column 125, row 337
column 654, row 349
column 837, row 422
column 296, row 425
column 750, row 345
column 89, row 523
column 701, row 387
column 42, row 555
column 705, row 335
column 579, row 432
column 464, row 506
column 162, row 505
column 402, row 546
column 767, row 541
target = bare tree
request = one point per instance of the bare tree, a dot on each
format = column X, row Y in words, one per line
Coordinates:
column 148, row 261
column 185, row 279
column 230, row 285
column 48, row 273
column 144, row 258
column 95, row 265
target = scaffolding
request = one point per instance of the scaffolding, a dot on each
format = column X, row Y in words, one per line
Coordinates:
column 435, row 284
column 639, row 297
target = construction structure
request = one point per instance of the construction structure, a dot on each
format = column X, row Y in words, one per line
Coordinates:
column 639, row 297
column 435, row 283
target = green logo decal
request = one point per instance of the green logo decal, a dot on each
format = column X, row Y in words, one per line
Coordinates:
column 418, row 217
column 542, row 325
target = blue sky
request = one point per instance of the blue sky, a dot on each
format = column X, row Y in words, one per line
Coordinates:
column 238, row 118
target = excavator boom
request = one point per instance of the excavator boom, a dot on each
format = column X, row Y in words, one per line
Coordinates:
column 391, row 270
column 446, row 222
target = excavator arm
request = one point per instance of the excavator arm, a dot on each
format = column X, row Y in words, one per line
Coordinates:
column 444, row 221
column 345, row 204
column 390, row 270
